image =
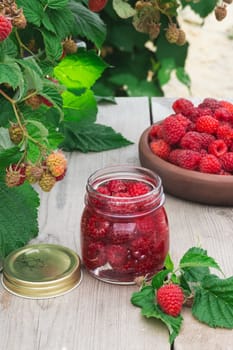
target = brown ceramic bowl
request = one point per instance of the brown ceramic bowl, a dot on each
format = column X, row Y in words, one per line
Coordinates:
column 187, row 184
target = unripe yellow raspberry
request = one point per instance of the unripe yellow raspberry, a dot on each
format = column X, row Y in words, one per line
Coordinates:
column 33, row 173
column 47, row 182
column 56, row 163
column 16, row 133
column 172, row 33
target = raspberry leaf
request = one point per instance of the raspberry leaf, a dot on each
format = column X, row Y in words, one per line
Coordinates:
column 11, row 74
column 158, row 279
column 169, row 263
column 18, row 216
column 123, row 8
column 145, row 298
column 213, row 302
column 197, row 257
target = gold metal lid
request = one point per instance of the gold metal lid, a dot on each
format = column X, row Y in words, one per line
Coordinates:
column 41, row 271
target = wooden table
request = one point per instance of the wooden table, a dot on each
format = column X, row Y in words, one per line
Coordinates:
column 97, row 315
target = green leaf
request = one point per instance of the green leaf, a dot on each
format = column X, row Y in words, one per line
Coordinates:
column 123, row 9
column 202, row 8
column 169, row 263
column 53, row 46
column 213, row 302
column 145, row 298
column 11, row 74
column 158, row 279
column 18, row 216
column 165, row 70
column 195, row 257
column 80, row 108
column 92, row 137
column 32, row 9
column 43, row 131
column 88, row 24
column 62, row 20
column 9, row 47
column 51, row 93
column 173, row 323
column 57, row 4
column 9, row 156
column 80, row 70
column 5, row 141
column 183, row 77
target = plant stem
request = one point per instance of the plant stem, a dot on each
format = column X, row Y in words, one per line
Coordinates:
column 22, row 46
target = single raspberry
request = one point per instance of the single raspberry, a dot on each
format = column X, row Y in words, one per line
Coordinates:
column 206, row 139
column 207, row 124
column 218, row 148
column 188, row 159
column 122, row 232
column 97, row 227
column 104, row 190
column 137, row 188
column 227, row 105
column 56, row 163
column 5, row 27
column 19, row 21
column 97, row 5
column 155, row 132
column 225, row 132
column 173, row 130
column 116, row 186
column 209, row 164
column 116, row 255
column 15, row 175
column 47, row 181
column 211, row 103
column 69, row 46
column 172, row 33
column 33, row 173
column 220, row 12
column 191, row 140
column 94, row 255
column 223, row 114
column 173, row 156
column 16, row 133
column 184, row 121
column 141, row 247
column 181, row 38
column 170, row 298
column 182, row 105
column 227, row 161
column 160, row 148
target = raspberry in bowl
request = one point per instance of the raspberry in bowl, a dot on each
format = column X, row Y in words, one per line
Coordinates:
column 124, row 226
column 192, row 151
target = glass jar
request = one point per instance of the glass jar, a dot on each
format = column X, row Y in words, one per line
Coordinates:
column 124, row 226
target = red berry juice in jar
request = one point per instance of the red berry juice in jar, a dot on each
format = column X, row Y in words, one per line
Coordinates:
column 124, row 227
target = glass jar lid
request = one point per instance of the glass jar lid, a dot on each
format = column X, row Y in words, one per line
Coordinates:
column 41, row 271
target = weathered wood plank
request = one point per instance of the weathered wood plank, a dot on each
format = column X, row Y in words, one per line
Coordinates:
column 193, row 224
column 96, row 315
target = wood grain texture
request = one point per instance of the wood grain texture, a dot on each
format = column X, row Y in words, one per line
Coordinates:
column 96, row 315
column 192, row 224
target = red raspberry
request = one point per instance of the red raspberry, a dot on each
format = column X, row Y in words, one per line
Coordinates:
column 104, row 190
column 218, row 148
column 191, row 140
column 211, row 103
column 170, row 298
column 15, row 175
column 155, row 132
column 227, row 161
column 5, row 28
column 181, row 105
column 140, row 247
column 173, row 156
column 227, row 105
column 146, row 225
column 173, row 130
column 45, row 101
column 116, row 255
column 183, row 120
column 137, row 188
column 122, row 232
column 210, row 164
column 94, row 255
column 116, row 186
column 223, row 114
column 195, row 112
column 207, row 124
column 160, row 148
column 97, row 5
column 206, row 139
column 225, row 132
column 97, row 228
column 188, row 159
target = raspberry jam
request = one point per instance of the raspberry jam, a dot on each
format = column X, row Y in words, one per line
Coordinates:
column 124, row 227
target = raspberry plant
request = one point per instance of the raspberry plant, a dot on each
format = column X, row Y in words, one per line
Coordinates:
column 47, row 103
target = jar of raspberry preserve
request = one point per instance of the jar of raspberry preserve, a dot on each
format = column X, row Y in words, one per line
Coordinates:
column 124, row 227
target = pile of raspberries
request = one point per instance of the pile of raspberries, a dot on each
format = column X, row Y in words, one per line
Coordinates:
column 198, row 138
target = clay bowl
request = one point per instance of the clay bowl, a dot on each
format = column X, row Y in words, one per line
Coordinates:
column 187, row 184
